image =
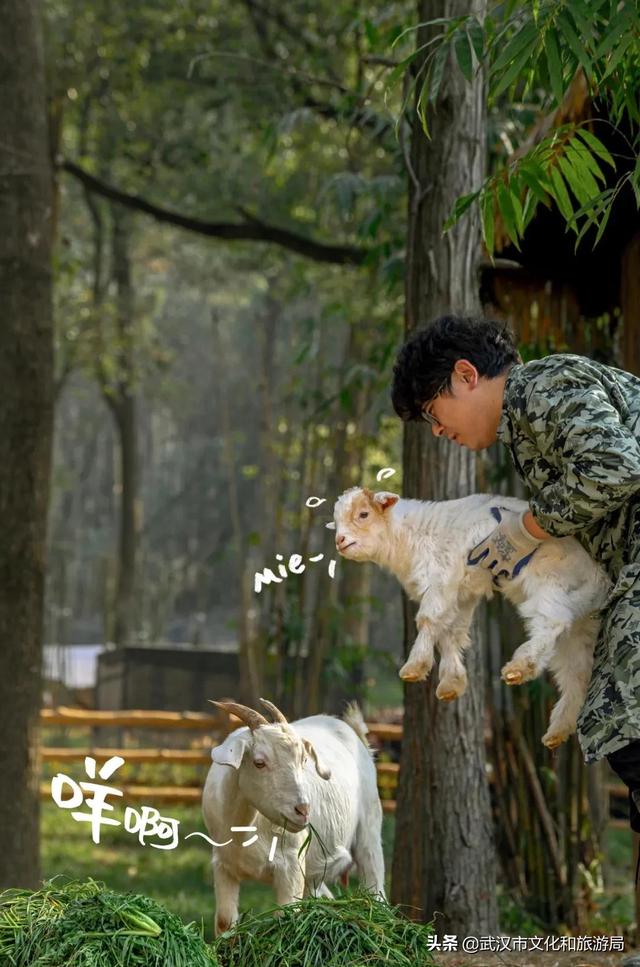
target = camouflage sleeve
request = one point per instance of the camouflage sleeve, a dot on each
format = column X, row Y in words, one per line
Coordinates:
column 594, row 459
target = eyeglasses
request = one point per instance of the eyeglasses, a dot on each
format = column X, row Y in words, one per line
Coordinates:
column 424, row 412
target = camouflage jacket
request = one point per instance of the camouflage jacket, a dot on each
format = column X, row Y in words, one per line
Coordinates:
column 572, row 426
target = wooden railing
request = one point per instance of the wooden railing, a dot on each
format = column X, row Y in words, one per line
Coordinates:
column 217, row 726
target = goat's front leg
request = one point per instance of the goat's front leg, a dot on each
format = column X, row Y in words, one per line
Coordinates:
column 452, row 643
column 289, row 880
column 420, row 661
column 436, row 604
column 227, row 891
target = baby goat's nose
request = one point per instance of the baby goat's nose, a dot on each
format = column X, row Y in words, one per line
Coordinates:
column 303, row 809
column 340, row 539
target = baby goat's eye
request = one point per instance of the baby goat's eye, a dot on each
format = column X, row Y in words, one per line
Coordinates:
column 363, row 514
column 259, row 763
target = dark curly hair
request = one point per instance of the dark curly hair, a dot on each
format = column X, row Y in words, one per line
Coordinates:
column 425, row 362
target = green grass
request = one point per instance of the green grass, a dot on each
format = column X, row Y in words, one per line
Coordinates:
column 181, row 878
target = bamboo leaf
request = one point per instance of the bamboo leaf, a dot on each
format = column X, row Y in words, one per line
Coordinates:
column 574, row 42
column 554, row 63
column 460, row 207
column 560, row 193
column 514, row 70
column 522, row 40
column 588, row 159
column 505, row 204
column 488, row 222
column 476, row 34
column 581, row 160
column 464, row 54
column 529, row 209
column 571, row 177
column 596, row 146
column 534, row 184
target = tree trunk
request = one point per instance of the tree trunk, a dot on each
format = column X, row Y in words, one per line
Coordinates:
column 444, row 856
column 26, row 377
column 123, row 404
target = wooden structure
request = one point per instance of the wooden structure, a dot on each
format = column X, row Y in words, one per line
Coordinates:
column 585, row 301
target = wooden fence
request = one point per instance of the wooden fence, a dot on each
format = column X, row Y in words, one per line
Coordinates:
column 216, row 726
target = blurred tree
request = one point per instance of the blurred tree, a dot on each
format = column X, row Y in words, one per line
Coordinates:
column 26, row 374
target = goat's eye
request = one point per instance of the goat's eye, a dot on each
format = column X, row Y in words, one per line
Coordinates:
column 259, row 763
column 363, row 514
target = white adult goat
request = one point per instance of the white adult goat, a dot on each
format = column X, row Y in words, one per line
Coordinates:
column 261, row 777
column 426, row 543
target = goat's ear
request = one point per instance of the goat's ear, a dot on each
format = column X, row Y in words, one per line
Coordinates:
column 231, row 751
column 321, row 769
column 331, row 526
column 385, row 500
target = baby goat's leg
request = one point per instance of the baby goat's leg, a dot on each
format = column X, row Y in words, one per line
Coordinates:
column 436, row 606
column 546, row 617
column 227, row 891
column 571, row 665
column 420, row 660
column 453, row 642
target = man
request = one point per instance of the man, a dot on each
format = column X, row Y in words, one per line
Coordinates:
column 572, row 428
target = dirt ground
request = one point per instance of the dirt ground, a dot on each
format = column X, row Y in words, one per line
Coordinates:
column 531, row 959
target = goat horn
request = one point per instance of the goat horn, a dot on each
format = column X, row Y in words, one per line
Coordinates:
column 247, row 715
column 277, row 714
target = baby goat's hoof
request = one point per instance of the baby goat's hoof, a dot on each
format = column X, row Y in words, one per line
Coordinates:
column 414, row 671
column 553, row 739
column 451, row 689
column 518, row 672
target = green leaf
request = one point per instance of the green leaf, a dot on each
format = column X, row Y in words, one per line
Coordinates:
column 460, row 207
column 488, row 224
column 464, row 54
column 560, row 193
column 574, row 42
column 505, row 204
column 535, row 182
column 573, row 180
column 616, row 29
column 618, row 53
column 596, row 146
column 554, row 63
column 514, row 71
column 529, row 209
column 587, row 158
column 371, row 31
column 476, row 34
column 439, row 61
column 582, row 161
column 522, row 40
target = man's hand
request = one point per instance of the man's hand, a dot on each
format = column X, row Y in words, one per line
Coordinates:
column 508, row 548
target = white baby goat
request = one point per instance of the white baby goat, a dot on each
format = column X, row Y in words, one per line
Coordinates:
column 281, row 777
column 426, row 543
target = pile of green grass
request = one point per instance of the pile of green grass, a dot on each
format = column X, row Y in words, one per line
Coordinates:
column 83, row 924
column 352, row 930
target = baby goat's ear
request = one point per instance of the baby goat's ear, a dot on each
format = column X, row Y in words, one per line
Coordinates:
column 385, row 499
column 331, row 526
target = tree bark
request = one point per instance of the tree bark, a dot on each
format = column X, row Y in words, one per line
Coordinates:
column 444, row 856
column 123, row 404
column 26, row 377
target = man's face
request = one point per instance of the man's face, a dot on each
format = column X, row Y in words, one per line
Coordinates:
column 468, row 413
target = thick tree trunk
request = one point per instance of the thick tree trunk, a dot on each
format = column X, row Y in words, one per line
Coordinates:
column 26, row 377
column 444, row 857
